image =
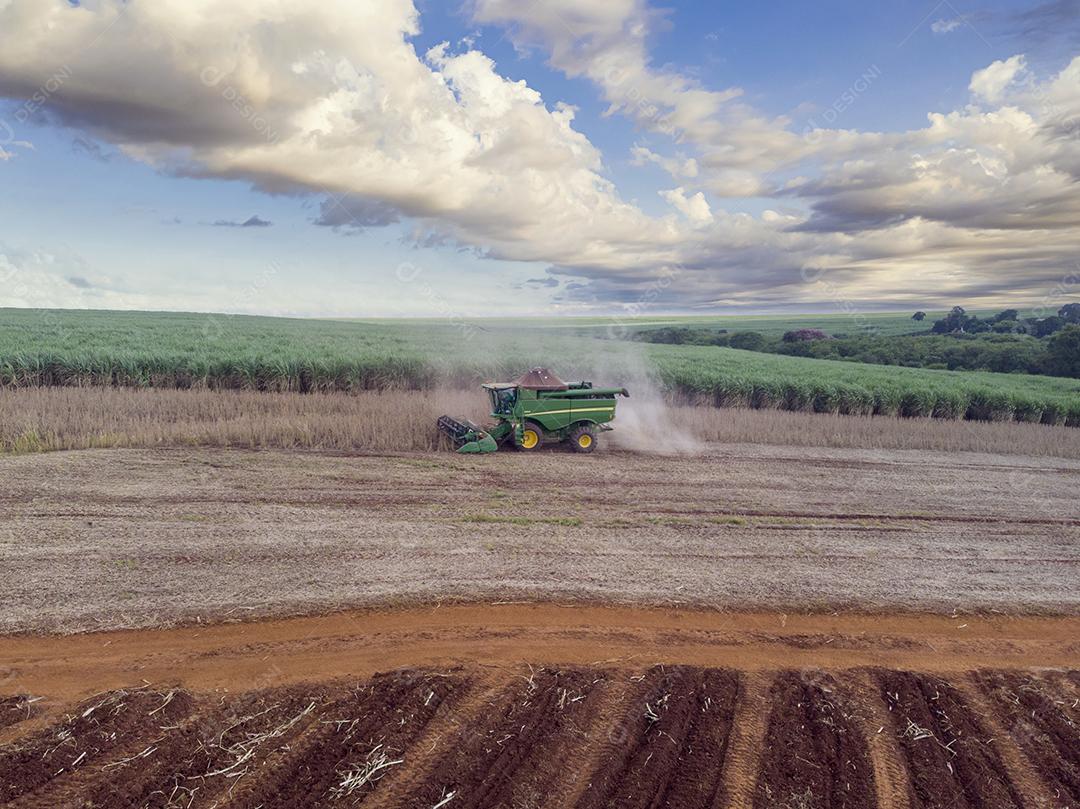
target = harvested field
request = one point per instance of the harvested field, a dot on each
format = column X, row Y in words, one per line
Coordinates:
column 158, row 537
column 548, row 707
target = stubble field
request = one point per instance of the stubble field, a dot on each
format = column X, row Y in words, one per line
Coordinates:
column 107, row 538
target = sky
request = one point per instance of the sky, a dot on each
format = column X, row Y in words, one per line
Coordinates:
column 381, row 158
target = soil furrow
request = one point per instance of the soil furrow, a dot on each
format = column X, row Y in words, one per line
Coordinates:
column 16, row 709
column 950, row 754
column 1038, row 715
column 511, row 757
column 747, row 741
column 67, row 757
column 604, row 732
column 890, row 774
column 815, row 751
column 675, row 741
column 1024, row 779
column 606, row 736
column 467, row 710
column 356, row 740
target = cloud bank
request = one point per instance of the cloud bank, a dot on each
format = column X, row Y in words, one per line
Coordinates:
column 333, row 99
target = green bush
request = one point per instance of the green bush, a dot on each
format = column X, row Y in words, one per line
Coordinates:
column 855, row 400
column 1054, row 413
column 1026, row 409
column 767, row 395
column 826, row 399
column 990, row 405
column 887, row 402
column 917, row 404
column 950, row 405
column 1072, row 414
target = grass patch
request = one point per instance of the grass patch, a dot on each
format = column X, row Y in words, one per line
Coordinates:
column 28, row 441
column 572, row 522
column 728, row 519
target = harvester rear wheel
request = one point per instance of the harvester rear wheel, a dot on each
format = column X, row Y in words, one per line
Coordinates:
column 532, row 437
column 583, row 439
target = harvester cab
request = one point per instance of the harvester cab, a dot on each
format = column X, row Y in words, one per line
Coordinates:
column 537, row 409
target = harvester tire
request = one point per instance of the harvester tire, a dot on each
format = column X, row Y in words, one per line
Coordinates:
column 583, row 439
column 532, row 437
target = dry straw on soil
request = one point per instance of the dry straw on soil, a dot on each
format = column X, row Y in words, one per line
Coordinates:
column 43, row 419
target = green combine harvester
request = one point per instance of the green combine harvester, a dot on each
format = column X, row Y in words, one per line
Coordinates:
column 537, row 409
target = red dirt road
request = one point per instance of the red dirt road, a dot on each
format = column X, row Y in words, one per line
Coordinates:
column 361, row 643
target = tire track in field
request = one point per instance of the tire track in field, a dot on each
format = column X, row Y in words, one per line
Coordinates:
column 519, row 749
column 743, row 760
column 467, row 711
column 1022, row 775
column 606, row 733
column 890, row 774
column 675, row 742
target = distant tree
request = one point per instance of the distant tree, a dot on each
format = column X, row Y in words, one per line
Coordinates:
column 1008, row 314
column 1070, row 313
column 956, row 321
column 1046, row 326
column 919, row 316
column 803, row 335
column 748, row 340
column 1063, row 352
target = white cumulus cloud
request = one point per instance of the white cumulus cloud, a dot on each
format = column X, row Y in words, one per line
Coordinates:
column 694, row 207
column 990, row 82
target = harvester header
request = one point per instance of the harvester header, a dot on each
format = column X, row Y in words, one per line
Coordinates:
column 536, row 409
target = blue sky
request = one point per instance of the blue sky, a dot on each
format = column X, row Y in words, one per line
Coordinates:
column 480, row 198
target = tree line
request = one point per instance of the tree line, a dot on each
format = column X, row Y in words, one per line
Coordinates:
column 1003, row 343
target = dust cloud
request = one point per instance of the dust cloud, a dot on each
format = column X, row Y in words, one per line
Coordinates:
column 645, row 422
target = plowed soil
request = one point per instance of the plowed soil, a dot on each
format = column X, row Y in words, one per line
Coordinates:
column 815, row 750
column 952, row 757
column 543, row 706
column 671, row 752
column 1042, row 714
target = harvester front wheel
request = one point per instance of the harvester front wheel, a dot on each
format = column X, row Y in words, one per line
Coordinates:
column 532, row 437
column 583, row 439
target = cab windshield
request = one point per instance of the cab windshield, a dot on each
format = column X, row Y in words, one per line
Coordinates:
column 502, row 400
